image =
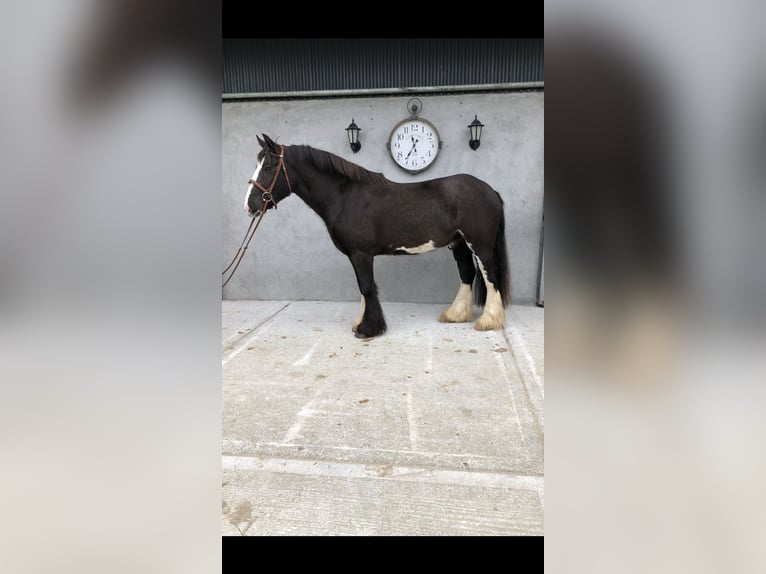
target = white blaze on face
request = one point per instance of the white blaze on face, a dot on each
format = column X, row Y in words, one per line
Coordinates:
column 250, row 189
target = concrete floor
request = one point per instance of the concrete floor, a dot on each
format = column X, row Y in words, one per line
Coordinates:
column 430, row 429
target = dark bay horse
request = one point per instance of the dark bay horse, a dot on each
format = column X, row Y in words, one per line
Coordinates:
column 368, row 215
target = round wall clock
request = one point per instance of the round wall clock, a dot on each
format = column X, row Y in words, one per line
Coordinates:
column 414, row 144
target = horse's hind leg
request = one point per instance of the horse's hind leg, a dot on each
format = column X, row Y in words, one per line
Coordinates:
column 372, row 323
column 461, row 310
column 493, row 316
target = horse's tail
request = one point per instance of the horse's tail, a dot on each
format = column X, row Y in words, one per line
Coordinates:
column 500, row 257
column 500, row 253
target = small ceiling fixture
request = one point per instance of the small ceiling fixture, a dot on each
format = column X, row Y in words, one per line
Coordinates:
column 475, row 127
column 353, row 136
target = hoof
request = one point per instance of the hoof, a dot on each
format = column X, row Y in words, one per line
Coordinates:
column 449, row 316
column 484, row 323
column 360, row 334
column 461, row 310
column 370, row 328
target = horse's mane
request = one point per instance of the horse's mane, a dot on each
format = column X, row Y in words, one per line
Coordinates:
column 329, row 162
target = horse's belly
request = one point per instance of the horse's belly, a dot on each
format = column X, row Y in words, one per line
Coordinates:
column 424, row 248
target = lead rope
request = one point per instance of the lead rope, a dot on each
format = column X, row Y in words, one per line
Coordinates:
column 246, row 243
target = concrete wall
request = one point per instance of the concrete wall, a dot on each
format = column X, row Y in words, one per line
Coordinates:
column 292, row 256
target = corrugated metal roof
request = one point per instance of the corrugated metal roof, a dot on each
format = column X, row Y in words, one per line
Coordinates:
column 297, row 65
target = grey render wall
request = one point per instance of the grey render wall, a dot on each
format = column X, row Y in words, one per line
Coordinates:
column 292, row 256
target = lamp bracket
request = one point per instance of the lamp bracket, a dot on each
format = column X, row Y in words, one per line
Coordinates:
column 414, row 106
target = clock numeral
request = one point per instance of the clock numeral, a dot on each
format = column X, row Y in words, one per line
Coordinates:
column 399, row 137
column 399, row 155
column 430, row 134
column 406, row 130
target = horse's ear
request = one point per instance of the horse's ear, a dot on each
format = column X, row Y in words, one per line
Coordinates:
column 274, row 147
column 260, row 141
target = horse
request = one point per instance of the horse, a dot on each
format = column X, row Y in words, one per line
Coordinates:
column 367, row 215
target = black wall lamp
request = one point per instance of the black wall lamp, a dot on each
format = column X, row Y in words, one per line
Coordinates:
column 475, row 127
column 353, row 136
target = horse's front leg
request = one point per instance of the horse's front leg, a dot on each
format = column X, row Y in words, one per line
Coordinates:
column 372, row 321
column 356, row 324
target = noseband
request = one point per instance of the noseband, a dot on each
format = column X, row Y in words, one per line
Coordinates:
column 268, row 198
column 267, row 192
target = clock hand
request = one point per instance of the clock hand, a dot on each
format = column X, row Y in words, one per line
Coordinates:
column 413, row 148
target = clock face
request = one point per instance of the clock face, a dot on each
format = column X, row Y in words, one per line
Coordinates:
column 414, row 144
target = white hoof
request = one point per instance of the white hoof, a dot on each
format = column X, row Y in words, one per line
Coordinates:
column 493, row 316
column 490, row 321
column 461, row 310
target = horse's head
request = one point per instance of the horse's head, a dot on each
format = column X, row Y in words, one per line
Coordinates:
column 269, row 184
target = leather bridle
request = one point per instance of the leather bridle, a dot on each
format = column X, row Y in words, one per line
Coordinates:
column 267, row 193
column 268, row 198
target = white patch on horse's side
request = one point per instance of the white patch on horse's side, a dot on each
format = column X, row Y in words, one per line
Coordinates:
column 250, row 189
column 461, row 310
column 428, row 246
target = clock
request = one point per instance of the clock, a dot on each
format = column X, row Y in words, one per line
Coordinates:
column 414, row 144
